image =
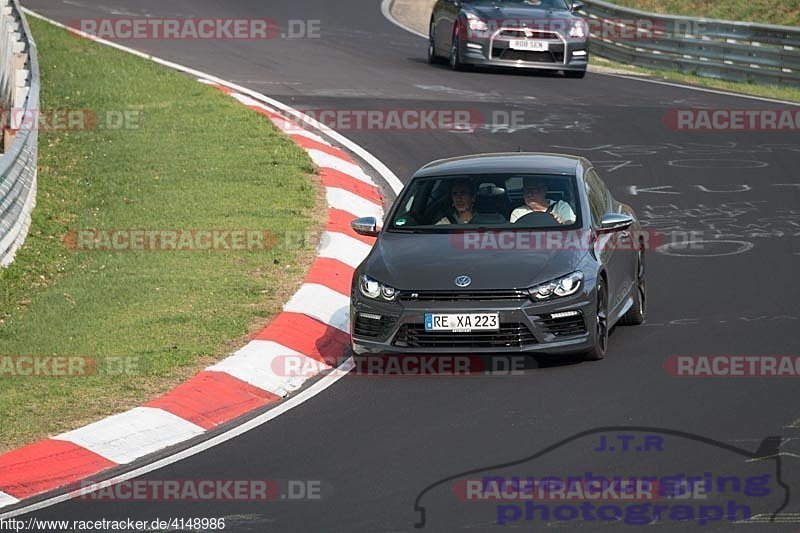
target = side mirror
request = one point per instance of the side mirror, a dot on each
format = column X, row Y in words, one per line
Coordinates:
column 577, row 5
column 367, row 226
column 615, row 222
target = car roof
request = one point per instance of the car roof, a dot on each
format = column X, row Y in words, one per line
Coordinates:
column 511, row 162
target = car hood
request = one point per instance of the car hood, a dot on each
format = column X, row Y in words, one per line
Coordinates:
column 433, row 261
column 491, row 10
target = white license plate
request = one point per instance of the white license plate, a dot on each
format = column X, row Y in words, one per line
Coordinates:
column 462, row 322
column 531, row 45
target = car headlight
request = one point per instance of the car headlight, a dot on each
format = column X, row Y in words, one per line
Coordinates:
column 374, row 289
column 558, row 287
column 578, row 30
column 476, row 23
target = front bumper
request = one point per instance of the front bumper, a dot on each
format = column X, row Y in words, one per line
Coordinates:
column 379, row 327
column 495, row 52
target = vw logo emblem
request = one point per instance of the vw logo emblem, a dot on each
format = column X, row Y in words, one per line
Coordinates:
column 463, row 281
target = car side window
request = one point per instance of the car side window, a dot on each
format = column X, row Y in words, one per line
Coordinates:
column 598, row 196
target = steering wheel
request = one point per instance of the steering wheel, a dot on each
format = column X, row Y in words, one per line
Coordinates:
column 537, row 219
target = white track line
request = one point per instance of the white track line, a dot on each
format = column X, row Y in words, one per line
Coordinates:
column 701, row 89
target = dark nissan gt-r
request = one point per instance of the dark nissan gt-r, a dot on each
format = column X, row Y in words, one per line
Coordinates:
column 520, row 252
column 531, row 34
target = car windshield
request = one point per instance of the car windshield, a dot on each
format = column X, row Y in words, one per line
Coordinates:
column 505, row 201
column 544, row 4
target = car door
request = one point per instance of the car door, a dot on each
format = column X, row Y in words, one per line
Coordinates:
column 613, row 249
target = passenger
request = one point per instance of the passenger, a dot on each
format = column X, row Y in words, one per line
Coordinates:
column 462, row 194
column 534, row 191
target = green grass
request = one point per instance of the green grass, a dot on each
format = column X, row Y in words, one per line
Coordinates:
column 785, row 93
column 764, row 11
column 198, row 160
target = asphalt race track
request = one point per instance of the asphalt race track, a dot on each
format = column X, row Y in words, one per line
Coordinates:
column 376, row 443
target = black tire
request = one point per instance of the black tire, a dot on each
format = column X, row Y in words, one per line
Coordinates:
column 575, row 73
column 638, row 311
column 598, row 351
column 455, row 52
column 432, row 58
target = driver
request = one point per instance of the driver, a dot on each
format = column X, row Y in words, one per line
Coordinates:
column 534, row 191
column 462, row 194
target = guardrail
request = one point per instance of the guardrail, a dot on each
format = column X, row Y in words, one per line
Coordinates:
column 736, row 51
column 19, row 100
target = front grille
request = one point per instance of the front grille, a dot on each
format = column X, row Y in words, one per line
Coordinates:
column 367, row 326
column 501, row 43
column 458, row 296
column 512, row 33
column 563, row 327
column 524, row 55
column 510, row 335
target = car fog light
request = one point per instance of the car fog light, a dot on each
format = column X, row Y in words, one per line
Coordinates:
column 564, row 314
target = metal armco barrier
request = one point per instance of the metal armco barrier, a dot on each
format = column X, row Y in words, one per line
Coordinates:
column 19, row 95
column 736, row 51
